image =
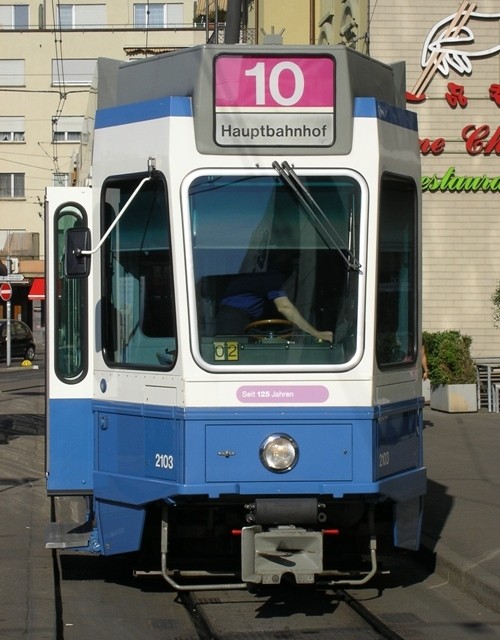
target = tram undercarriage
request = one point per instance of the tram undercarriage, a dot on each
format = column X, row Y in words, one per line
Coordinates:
column 202, row 543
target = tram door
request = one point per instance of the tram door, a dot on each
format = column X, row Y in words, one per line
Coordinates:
column 69, row 339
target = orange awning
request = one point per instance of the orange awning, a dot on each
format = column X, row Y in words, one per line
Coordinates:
column 37, row 291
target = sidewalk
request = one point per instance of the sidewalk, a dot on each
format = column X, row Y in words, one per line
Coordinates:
column 26, row 580
column 462, row 508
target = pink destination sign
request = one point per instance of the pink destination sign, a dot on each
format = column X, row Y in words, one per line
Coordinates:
column 282, row 393
column 274, row 81
column 274, row 101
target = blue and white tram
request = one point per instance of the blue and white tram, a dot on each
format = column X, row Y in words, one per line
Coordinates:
column 262, row 449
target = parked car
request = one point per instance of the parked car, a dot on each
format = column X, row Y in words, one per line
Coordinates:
column 22, row 343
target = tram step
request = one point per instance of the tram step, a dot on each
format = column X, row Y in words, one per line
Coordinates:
column 66, row 535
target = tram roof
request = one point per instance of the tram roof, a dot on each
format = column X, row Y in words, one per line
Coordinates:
column 190, row 73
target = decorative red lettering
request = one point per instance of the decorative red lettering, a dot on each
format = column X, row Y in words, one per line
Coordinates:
column 474, row 138
column 493, row 145
column 436, row 147
column 495, row 94
column 456, row 95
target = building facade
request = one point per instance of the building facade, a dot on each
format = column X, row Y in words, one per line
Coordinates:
column 451, row 50
column 47, row 60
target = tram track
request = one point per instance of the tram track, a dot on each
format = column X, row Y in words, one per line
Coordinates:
column 407, row 604
column 208, row 627
column 38, row 388
column 274, row 614
column 58, row 600
column 374, row 621
column 198, row 620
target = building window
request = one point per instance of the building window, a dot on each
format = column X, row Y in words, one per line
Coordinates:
column 11, row 128
column 12, row 73
column 11, row 185
column 74, row 71
column 67, row 129
column 14, row 16
column 81, row 16
column 157, row 15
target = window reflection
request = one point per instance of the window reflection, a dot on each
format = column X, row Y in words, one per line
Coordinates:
column 254, row 229
column 396, row 305
column 139, row 324
column 69, row 302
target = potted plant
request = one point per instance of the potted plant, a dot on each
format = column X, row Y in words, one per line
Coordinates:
column 452, row 372
column 495, row 298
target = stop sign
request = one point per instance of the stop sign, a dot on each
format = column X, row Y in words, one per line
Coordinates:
column 5, row 291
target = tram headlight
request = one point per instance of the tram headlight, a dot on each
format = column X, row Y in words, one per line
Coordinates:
column 279, row 453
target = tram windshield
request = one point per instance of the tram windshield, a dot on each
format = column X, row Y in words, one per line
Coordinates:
column 257, row 249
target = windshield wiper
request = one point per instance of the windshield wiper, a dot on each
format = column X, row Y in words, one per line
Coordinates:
column 318, row 217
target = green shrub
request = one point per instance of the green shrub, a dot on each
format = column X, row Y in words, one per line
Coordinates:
column 448, row 357
column 495, row 298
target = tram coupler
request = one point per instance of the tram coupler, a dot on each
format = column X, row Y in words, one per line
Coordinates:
column 266, row 556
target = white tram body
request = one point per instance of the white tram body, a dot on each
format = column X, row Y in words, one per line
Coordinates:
column 261, row 450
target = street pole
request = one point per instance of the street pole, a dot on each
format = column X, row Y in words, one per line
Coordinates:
column 9, row 345
column 8, row 334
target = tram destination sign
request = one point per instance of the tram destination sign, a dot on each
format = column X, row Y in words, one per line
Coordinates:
column 274, row 101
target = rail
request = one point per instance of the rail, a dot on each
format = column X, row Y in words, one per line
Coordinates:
column 488, row 376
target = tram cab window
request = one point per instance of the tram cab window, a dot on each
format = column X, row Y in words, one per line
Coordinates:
column 397, row 285
column 249, row 228
column 139, row 319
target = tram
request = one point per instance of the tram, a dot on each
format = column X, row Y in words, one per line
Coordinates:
column 233, row 319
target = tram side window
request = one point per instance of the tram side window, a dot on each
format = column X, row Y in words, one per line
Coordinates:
column 139, row 325
column 69, row 301
column 397, row 273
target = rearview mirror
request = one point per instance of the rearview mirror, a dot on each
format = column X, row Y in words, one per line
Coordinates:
column 76, row 263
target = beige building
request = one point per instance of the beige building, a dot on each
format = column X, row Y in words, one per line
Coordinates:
column 311, row 21
column 452, row 54
column 47, row 56
column 47, row 59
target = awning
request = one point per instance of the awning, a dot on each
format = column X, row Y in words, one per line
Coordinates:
column 37, row 291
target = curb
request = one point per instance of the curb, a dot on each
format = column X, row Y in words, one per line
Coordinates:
column 468, row 577
column 6, row 369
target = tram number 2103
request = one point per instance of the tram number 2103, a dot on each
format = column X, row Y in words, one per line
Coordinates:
column 164, row 461
column 384, row 459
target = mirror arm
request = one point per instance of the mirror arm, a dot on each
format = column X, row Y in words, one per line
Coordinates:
column 89, row 252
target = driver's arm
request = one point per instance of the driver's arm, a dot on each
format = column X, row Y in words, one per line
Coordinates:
column 293, row 315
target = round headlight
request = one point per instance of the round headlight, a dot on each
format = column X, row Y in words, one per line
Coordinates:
column 279, row 453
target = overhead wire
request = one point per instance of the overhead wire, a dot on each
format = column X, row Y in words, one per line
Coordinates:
column 368, row 26
column 59, row 61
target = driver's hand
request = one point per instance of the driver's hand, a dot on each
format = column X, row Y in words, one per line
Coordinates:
column 327, row 336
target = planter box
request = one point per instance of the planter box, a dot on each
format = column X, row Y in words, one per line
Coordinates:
column 426, row 391
column 454, row 398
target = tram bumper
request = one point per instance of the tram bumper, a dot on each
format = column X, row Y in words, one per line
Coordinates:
column 266, row 556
